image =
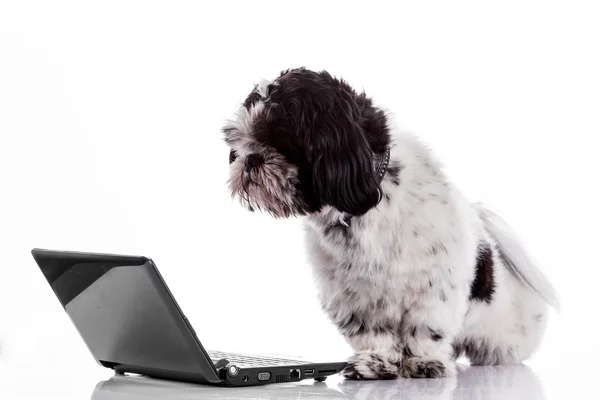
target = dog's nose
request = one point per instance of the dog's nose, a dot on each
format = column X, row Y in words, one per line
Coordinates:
column 252, row 161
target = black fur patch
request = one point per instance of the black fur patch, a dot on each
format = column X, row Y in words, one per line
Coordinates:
column 457, row 350
column 381, row 329
column 374, row 124
column 483, row 286
column 407, row 352
column 252, row 99
column 435, row 335
column 352, row 325
column 232, row 156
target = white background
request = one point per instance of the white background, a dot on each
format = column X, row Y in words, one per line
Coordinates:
column 109, row 121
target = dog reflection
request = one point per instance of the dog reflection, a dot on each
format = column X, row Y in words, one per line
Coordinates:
column 503, row 382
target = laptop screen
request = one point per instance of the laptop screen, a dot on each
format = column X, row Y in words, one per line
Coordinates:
column 123, row 311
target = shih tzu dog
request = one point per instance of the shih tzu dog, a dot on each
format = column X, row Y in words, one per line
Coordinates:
column 411, row 273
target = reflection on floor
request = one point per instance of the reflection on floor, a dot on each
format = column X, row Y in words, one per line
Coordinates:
column 507, row 382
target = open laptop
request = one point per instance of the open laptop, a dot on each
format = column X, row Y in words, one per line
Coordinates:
column 131, row 323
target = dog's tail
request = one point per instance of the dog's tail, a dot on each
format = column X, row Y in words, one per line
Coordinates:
column 520, row 264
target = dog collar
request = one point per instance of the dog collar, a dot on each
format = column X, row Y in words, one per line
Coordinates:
column 382, row 162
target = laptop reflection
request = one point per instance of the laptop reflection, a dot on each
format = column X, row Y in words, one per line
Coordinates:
column 141, row 388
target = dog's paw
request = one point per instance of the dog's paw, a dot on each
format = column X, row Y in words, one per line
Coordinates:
column 370, row 366
column 426, row 367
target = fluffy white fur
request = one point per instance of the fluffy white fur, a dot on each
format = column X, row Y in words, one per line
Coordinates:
column 425, row 290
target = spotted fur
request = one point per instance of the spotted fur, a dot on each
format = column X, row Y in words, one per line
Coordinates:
column 411, row 273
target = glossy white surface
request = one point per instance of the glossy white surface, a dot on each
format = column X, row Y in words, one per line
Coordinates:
column 550, row 381
column 474, row 383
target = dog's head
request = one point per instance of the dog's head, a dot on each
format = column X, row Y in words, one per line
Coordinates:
column 304, row 141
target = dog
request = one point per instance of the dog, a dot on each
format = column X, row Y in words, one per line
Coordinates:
column 412, row 274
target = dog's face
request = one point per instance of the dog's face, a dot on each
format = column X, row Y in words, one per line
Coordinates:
column 302, row 142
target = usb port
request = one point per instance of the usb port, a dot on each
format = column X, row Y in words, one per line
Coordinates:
column 308, row 372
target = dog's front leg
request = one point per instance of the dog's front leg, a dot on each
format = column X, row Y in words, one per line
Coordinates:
column 428, row 329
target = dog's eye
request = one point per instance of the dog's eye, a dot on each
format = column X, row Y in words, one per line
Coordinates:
column 232, row 156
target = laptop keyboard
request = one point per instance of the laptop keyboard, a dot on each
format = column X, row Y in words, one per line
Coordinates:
column 249, row 361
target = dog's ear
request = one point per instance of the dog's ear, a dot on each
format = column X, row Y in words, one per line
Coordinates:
column 343, row 175
column 328, row 116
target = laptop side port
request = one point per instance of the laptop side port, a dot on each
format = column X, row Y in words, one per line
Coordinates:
column 327, row 371
column 264, row 376
column 294, row 374
column 309, row 372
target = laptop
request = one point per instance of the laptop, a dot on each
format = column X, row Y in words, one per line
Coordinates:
column 131, row 323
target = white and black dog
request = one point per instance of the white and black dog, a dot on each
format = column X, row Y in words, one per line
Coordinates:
column 412, row 274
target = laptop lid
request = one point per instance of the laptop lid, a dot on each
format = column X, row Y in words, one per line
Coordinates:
column 125, row 314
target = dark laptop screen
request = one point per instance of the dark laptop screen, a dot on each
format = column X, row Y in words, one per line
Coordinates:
column 123, row 311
